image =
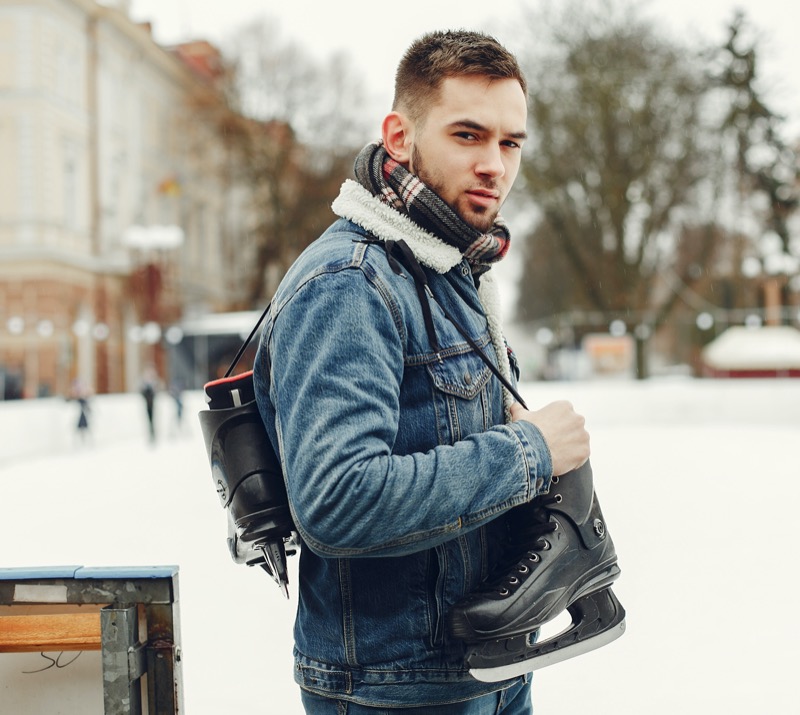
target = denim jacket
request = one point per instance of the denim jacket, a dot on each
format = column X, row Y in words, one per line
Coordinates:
column 399, row 462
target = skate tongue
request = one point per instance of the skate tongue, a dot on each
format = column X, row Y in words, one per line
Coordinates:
column 528, row 536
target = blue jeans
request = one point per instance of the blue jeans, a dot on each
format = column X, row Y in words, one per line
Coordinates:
column 515, row 700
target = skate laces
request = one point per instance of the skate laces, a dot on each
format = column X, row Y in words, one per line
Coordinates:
column 524, row 547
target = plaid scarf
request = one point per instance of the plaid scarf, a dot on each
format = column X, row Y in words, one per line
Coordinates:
column 393, row 184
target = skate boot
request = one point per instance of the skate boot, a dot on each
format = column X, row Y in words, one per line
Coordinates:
column 560, row 556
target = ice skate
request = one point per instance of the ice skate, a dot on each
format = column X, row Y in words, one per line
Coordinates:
column 560, row 557
column 248, row 479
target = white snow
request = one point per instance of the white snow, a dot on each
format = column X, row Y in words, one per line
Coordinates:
column 699, row 482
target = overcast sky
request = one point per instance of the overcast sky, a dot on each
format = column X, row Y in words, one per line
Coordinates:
column 375, row 34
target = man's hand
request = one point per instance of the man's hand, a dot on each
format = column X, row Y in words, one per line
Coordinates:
column 563, row 430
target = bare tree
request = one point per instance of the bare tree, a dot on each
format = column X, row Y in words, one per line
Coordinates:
column 292, row 126
column 278, row 79
column 620, row 158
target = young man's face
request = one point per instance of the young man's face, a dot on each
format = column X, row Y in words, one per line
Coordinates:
column 467, row 147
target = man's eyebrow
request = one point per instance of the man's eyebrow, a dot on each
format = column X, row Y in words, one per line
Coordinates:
column 477, row 127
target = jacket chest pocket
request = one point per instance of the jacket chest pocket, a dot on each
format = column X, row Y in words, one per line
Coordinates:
column 462, row 395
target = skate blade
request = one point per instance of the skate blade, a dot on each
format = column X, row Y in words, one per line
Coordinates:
column 275, row 564
column 514, row 670
column 597, row 619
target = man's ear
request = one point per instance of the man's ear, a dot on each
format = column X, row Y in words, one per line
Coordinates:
column 397, row 133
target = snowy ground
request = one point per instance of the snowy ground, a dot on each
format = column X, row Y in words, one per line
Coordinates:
column 699, row 482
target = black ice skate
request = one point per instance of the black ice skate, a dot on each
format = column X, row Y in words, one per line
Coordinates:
column 248, row 479
column 560, row 557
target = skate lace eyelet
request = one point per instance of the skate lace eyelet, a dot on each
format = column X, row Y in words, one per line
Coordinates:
column 513, row 581
column 554, row 480
column 523, row 569
column 558, row 498
column 503, row 591
column 533, row 557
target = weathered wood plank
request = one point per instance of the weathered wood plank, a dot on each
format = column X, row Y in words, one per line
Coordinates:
column 52, row 632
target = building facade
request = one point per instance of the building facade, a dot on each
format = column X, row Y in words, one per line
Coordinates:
column 117, row 218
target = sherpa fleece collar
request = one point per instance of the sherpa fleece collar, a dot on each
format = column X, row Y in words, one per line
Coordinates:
column 358, row 205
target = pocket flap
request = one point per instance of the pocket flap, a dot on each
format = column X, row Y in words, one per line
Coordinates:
column 462, row 375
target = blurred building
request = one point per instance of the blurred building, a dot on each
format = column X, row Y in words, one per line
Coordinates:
column 116, row 214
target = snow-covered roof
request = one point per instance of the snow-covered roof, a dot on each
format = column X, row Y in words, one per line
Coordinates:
column 773, row 347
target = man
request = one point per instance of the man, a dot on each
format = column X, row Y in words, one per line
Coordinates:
column 401, row 452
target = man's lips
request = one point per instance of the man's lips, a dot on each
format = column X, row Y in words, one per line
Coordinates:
column 483, row 197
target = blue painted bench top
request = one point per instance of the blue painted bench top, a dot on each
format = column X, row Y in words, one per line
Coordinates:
column 83, row 572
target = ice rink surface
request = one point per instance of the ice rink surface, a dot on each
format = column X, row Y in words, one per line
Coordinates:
column 699, row 483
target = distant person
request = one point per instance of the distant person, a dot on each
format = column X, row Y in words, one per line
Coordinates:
column 149, row 389
column 176, row 392
column 80, row 394
column 83, row 417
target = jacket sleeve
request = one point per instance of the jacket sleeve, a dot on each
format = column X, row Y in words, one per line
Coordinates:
column 337, row 366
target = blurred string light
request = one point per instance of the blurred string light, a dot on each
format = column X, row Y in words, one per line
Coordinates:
column 16, row 325
column 617, row 328
column 173, row 334
column 558, row 329
column 704, row 321
column 150, row 333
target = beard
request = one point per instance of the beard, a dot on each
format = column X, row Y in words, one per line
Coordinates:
column 479, row 217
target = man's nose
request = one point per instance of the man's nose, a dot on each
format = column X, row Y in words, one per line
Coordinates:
column 490, row 162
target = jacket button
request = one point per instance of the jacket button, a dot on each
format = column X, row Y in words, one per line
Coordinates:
column 467, row 378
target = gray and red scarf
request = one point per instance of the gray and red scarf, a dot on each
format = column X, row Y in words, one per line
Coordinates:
column 395, row 186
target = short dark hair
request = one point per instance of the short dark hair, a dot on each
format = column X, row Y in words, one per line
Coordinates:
column 449, row 53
